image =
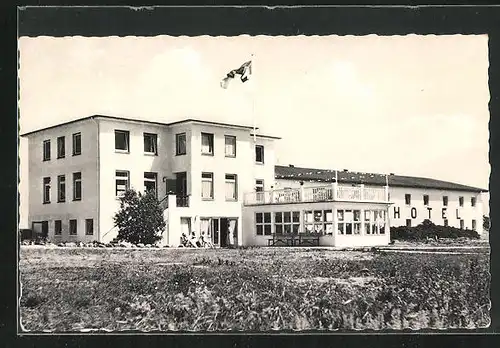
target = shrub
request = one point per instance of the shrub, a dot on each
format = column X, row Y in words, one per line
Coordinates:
column 140, row 218
column 427, row 229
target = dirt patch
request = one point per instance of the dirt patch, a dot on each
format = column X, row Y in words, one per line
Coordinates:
column 359, row 281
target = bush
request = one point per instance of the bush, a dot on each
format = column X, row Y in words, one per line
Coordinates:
column 427, row 229
column 140, row 218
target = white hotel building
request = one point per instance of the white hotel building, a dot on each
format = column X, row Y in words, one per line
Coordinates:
column 213, row 177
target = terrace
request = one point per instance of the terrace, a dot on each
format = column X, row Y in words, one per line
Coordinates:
column 328, row 193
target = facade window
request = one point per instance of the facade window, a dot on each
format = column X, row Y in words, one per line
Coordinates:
column 462, row 224
column 77, row 186
column 151, row 183
column 57, row 227
column 230, row 145
column 461, row 201
column 408, row 222
column 474, row 226
column 207, row 143
column 318, row 221
column 259, row 185
column 46, row 150
column 445, row 201
column 46, row 190
column 61, row 147
column 263, row 224
column 407, row 199
column 375, row 221
column 349, row 222
column 89, row 227
column 207, row 185
column 150, row 143
column 259, row 153
column 445, row 221
column 122, row 141
column 426, row 199
column 73, row 228
column 77, row 144
column 473, row 201
column 180, row 144
column 231, row 187
column 122, row 180
column 287, row 222
column 61, row 188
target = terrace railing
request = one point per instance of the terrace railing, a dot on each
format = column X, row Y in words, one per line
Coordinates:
column 180, row 201
column 317, row 194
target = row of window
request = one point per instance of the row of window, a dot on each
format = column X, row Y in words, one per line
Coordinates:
column 73, row 227
column 61, row 188
column 122, row 144
column 445, row 200
column 61, row 147
column 445, row 223
column 349, row 222
column 122, row 183
column 207, row 186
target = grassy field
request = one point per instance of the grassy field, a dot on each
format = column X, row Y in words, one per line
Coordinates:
column 259, row 289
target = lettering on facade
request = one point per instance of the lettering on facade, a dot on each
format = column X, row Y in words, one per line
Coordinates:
column 396, row 213
column 413, row 213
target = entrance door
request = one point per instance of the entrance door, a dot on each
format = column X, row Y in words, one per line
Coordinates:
column 223, row 232
column 181, row 183
column 186, row 226
column 215, row 231
column 232, row 225
column 40, row 229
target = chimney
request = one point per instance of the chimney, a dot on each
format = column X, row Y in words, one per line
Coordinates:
column 346, row 170
column 391, row 174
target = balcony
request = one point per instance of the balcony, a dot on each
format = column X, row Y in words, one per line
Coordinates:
column 181, row 201
column 318, row 194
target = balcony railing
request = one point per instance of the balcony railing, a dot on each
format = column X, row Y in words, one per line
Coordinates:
column 317, row 194
column 180, row 201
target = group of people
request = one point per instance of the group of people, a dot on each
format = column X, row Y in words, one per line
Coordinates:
column 203, row 241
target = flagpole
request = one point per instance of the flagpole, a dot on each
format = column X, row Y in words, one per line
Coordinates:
column 253, row 100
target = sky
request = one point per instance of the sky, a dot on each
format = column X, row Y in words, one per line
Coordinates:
column 410, row 105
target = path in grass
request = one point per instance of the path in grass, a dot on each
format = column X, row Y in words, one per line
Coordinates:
column 249, row 289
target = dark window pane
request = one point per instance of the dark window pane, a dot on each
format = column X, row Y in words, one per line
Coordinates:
column 259, row 230
column 267, row 217
column 258, row 217
column 278, row 229
column 278, row 217
column 267, row 230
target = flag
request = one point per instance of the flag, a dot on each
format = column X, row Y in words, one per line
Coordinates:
column 244, row 71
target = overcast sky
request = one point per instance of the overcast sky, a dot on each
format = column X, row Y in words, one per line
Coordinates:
column 412, row 105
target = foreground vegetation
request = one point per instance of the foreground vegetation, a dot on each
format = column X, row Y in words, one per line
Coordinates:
column 250, row 289
column 428, row 230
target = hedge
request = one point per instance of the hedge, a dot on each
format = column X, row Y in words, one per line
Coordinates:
column 427, row 229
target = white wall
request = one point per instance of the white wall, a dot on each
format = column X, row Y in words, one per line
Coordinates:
column 397, row 196
column 86, row 163
column 136, row 162
column 467, row 212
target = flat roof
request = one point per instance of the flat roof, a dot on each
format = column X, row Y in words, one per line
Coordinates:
column 139, row 120
column 265, row 136
column 328, row 175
